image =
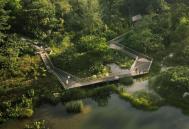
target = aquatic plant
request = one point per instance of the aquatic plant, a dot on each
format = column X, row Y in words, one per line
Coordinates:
column 40, row 124
column 142, row 99
column 74, row 106
column 26, row 112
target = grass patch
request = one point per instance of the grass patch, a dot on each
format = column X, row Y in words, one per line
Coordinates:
column 26, row 113
column 40, row 124
column 141, row 99
column 74, row 106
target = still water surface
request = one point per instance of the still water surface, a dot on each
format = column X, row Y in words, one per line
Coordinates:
column 117, row 114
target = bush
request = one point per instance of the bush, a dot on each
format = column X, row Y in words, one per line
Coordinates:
column 142, row 99
column 102, row 94
column 126, row 80
column 48, row 98
column 172, row 85
column 74, row 94
column 26, row 113
column 1, row 118
column 36, row 125
column 74, row 106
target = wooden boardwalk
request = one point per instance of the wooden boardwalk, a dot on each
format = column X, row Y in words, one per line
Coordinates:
column 73, row 81
column 141, row 66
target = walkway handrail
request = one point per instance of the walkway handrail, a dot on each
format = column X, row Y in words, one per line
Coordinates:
column 116, row 38
column 130, row 51
column 150, row 65
column 49, row 60
column 105, row 78
column 134, row 52
column 60, row 80
column 77, row 78
column 132, row 67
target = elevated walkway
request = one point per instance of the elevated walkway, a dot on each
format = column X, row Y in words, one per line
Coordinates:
column 141, row 66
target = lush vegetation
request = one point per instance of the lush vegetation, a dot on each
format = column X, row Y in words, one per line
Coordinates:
column 74, row 106
column 142, row 99
column 173, row 85
column 96, row 93
column 166, row 29
column 78, row 31
column 40, row 124
column 89, row 57
column 22, row 109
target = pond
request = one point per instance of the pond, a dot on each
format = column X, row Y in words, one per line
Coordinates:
column 117, row 114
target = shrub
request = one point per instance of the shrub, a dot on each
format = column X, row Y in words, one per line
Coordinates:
column 36, row 125
column 1, row 118
column 101, row 95
column 126, row 80
column 74, row 106
column 26, row 113
column 73, row 94
column 172, row 85
column 142, row 99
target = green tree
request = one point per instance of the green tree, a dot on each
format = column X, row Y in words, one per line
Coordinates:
column 172, row 84
column 92, row 44
column 37, row 19
column 134, row 7
column 85, row 17
column 4, row 16
column 144, row 39
column 9, row 53
column 113, row 15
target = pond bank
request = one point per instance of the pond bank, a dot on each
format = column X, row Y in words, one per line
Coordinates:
column 117, row 114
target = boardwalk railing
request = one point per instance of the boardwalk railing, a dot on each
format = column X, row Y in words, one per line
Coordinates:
column 118, row 38
column 50, row 67
column 134, row 54
column 133, row 51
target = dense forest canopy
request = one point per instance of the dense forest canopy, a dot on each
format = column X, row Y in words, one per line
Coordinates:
column 164, row 25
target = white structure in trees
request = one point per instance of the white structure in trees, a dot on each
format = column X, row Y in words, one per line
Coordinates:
column 136, row 18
